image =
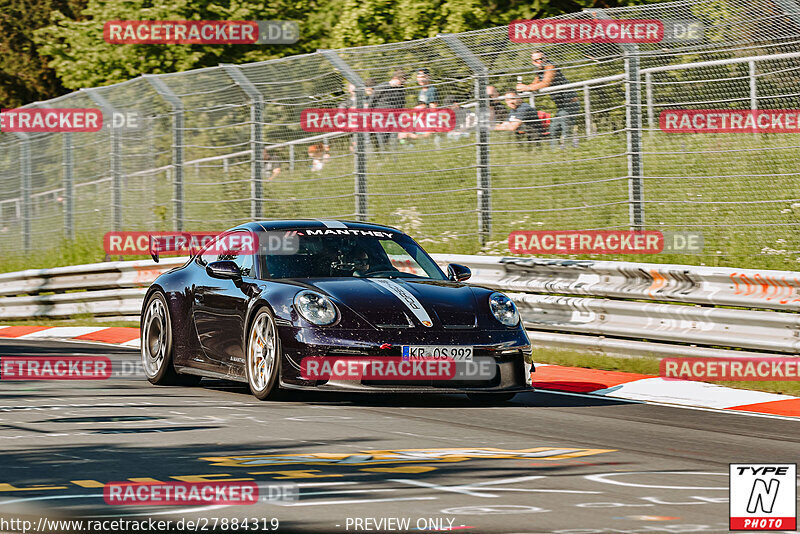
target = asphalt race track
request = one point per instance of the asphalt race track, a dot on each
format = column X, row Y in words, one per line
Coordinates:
column 542, row 463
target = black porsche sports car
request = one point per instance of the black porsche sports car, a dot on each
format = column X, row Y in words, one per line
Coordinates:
column 331, row 289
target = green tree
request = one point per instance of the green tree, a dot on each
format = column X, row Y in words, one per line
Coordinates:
column 367, row 22
column 81, row 57
column 76, row 52
column 24, row 75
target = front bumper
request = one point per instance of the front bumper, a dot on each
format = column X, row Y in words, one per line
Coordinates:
column 506, row 348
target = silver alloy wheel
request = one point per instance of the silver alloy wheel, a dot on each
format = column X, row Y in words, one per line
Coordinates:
column 155, row 337
column 262, row 351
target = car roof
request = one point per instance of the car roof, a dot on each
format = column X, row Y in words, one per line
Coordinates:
column 297, row 224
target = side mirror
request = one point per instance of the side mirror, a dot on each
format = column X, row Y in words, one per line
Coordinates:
column 225, row 269
column 458, row 273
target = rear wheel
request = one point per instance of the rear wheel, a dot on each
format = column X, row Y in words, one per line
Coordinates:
column 263, row 356
column 156, row 345
column 488, row 399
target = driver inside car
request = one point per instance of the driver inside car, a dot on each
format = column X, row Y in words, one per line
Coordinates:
column 351, row 261
column 360, row 262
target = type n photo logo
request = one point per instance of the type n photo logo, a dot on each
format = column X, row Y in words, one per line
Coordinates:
column 763, row 497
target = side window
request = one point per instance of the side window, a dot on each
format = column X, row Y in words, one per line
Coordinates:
column 208, row 254
column 239, row 248
column 246, row 264
column 401, row 259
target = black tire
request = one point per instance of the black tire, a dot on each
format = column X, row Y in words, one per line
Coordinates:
column 263, row 334
column 489, row 399
column 156, row 345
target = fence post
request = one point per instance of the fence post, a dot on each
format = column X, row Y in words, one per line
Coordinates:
column 633, row 127
column 256, row 137
column 648, row 88
column 361, row 138
column 482, row 130
column 753, row 85
column 69, row 187
column 25, row 188
column 116, row 158
column 587, row 111
column 177, row 143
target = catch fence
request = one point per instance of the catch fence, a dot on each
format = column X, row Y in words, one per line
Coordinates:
column 219, row 146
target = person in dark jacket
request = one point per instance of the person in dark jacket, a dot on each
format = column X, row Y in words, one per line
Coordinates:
column 523, row 120
column 391, row 95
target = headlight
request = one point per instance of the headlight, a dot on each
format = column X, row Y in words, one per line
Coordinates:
column 315, row 308
column 503, row 309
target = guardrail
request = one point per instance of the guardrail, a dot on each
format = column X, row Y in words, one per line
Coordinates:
column 602, row 306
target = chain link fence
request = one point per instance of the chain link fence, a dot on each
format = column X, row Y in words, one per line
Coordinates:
column 219, row 146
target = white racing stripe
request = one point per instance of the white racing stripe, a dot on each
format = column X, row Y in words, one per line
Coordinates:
column 333, row 224
column 406, row 298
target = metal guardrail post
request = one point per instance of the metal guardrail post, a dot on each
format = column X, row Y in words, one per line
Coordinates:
column 256, row 137
column 353, row 77
column 116, row 159
column 177, row 144
column 482, row 133
column 69, row 186
column 25, row 188
column 633, row 127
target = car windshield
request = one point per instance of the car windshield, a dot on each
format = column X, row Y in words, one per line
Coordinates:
column 328, row 253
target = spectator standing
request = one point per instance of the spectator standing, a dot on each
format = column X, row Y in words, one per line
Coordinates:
column 427, row 95
column 389, row 95
column 548, row 75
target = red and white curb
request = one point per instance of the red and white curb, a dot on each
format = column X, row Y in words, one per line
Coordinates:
column 650, row 388
column 117, row 335
column 608, row 384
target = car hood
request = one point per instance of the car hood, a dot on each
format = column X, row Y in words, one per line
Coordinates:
column 404, row 302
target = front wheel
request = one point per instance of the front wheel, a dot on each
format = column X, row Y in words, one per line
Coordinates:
column 263, row 356
column 488, row 399
column 156, row 342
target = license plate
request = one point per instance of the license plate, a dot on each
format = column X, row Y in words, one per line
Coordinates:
column 437, row 352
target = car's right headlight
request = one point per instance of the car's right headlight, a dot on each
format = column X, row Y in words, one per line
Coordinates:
column 503, row 309
column 315, row 307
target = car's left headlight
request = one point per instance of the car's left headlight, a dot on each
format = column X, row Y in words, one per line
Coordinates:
column 503, row 309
